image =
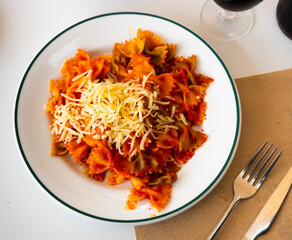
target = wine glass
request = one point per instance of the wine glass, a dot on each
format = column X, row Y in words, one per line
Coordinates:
column 228, row 19
column 284, row 17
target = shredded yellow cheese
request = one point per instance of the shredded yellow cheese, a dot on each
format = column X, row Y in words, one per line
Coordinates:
column 113, row 110
column 183, row 119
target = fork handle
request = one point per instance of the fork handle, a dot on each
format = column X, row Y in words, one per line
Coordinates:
column 223, row 218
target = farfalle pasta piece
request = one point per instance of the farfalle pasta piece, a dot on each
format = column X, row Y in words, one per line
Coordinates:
column 189, row 98
column 106, row 59
column 122, row 74
column 170, row 51
column 76, row 66
column 58, row 148
column 157, row 54
column 166, row 84
column 97, row 177
column 90, row 141
column 138, row 183
column 152, row 39
column 158, row 159
column 57, row 87
column 51, row 106
column 133, row 198
column 82, row 63
column 184, row 139
column 78, row 150
column 139, row 165
column 188, row 64
column 199, row 92
column 118, row 59
column 140, row 66
column 121, row 165
column 167, row 178
column 99, row 159
column 181, row 76
column 182, row 157
column 133, row 46
column 72, row 91
column 202, row 80
column 114, row 178
column 159, row 196
column 103, row 66
column 197, row 113
column 166, row 141
column 198, row 139
column 152, row 162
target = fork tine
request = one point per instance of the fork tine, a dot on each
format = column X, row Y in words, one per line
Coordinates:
column 268, row 170
column 258, row 162
column 263, row 166
column 250, row 162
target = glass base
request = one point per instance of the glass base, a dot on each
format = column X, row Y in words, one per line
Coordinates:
column 225, row 25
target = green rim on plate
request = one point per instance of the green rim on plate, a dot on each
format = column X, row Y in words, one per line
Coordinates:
column 185, row 206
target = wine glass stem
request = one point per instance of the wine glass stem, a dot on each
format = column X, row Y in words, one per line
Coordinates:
column 226, row 15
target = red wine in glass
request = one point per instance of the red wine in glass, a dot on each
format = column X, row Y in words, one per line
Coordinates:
column 237, row 5
column 284, row 17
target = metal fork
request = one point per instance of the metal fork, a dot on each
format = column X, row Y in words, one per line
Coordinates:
column 243, row 186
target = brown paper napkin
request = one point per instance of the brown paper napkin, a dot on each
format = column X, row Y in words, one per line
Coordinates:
column 266, row 102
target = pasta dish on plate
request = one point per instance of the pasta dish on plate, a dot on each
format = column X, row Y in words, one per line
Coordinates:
column 130, row 115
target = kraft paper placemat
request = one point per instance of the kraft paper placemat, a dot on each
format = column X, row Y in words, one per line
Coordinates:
column 266, row 102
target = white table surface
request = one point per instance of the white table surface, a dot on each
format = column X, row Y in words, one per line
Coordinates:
column 26, row 212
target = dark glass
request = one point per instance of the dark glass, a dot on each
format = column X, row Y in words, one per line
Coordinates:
column 237, row 5
column 284, row 17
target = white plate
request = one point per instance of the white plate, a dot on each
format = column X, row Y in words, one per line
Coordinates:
column 63, row 179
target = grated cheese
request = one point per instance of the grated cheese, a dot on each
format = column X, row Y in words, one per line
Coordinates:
column 183, row 119
column 113, row 110
column 87, row 74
